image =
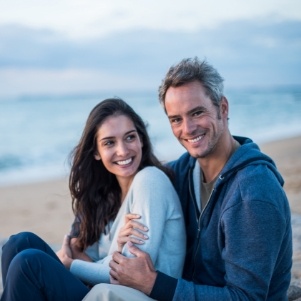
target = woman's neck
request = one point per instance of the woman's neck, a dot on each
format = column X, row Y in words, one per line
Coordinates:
column 125, row 184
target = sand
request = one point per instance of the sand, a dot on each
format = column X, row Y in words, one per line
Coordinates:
column 45, row 207
column 287, row 156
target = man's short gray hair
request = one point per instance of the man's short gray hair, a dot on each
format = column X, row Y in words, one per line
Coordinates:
column 189, row 70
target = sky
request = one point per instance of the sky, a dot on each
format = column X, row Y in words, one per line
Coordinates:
column 72, row 46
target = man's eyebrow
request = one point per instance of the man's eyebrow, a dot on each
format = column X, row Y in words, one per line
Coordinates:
column 198, row 108
column 173, row 116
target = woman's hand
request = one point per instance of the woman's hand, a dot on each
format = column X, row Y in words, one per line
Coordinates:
column 77, row 252
column 65, row 253
column 131, row 231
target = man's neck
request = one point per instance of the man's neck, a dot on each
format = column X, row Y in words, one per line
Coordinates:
column 212, row 164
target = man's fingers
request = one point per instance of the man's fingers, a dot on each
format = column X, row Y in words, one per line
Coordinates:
column 113, row 280
column 116, row 259
column 136, row 251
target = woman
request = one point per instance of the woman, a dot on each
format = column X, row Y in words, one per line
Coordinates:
column 114, row 172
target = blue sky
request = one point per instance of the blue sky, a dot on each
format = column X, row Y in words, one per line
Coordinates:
column 66, row 46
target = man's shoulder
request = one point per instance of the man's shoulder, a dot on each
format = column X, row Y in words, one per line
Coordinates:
column 182, row 164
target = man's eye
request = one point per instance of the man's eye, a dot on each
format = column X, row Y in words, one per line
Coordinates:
column 175, row 120
column 197, row 113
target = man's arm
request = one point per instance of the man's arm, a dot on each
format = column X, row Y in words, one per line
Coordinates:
column 248, row 280
column 139, row 273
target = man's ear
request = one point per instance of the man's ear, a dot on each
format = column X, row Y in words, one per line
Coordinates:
column 224, row 106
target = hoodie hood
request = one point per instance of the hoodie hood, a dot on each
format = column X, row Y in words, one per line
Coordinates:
column 248, row 154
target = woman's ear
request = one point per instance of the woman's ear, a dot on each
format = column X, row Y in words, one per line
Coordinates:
column 97, row 156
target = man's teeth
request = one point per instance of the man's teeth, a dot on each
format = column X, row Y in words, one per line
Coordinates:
column 195, row 139
column 124, row 162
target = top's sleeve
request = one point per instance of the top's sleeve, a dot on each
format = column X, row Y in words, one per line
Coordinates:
column 153, row 197
column 92, row 272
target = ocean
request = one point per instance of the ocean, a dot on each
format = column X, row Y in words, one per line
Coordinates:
column 37, row 133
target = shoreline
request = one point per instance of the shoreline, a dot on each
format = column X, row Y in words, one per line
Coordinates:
column 45, row 207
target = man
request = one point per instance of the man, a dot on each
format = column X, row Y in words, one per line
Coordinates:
column 239, row 240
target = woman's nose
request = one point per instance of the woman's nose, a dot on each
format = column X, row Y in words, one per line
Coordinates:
column 122, row 149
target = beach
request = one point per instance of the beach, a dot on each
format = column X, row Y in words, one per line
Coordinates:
column 42, row 207
column 45, row 207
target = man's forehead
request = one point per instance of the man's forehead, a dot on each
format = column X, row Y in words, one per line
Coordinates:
column 185, row 99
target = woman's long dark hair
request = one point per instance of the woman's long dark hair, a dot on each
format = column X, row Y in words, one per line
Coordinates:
column 95, row 191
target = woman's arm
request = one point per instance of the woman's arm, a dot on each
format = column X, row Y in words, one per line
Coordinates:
column 153, row 197
column 155, row 200
column 132, row 231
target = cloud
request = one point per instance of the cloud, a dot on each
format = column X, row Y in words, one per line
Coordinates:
column 245, row 52
column 94, row 18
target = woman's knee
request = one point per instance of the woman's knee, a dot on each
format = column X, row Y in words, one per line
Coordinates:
column 16, row 239
column 25, row 269
column 29, row 258
column 21, row 241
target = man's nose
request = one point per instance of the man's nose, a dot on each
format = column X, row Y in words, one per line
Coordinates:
column 188, row 126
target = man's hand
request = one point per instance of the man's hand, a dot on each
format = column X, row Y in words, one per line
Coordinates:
column 131, row 231
column 65, row 253
column 137, row 272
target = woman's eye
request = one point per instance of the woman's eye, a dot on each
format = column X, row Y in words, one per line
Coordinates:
column 130, row 137
column 108, row 143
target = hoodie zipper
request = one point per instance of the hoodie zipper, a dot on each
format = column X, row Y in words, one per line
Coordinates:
column 198, row 219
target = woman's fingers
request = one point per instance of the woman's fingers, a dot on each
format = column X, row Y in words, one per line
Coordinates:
column 131, row 216
column 135, row 225
column 132, row 231
column 130, row 220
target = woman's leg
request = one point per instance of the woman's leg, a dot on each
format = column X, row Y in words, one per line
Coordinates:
column 35, row 275
column 19, row 242
column 113, row 292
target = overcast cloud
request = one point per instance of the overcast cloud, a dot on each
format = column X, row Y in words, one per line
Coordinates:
column 68, row 47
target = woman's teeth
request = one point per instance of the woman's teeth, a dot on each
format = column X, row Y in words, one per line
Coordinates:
column 124, row 162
